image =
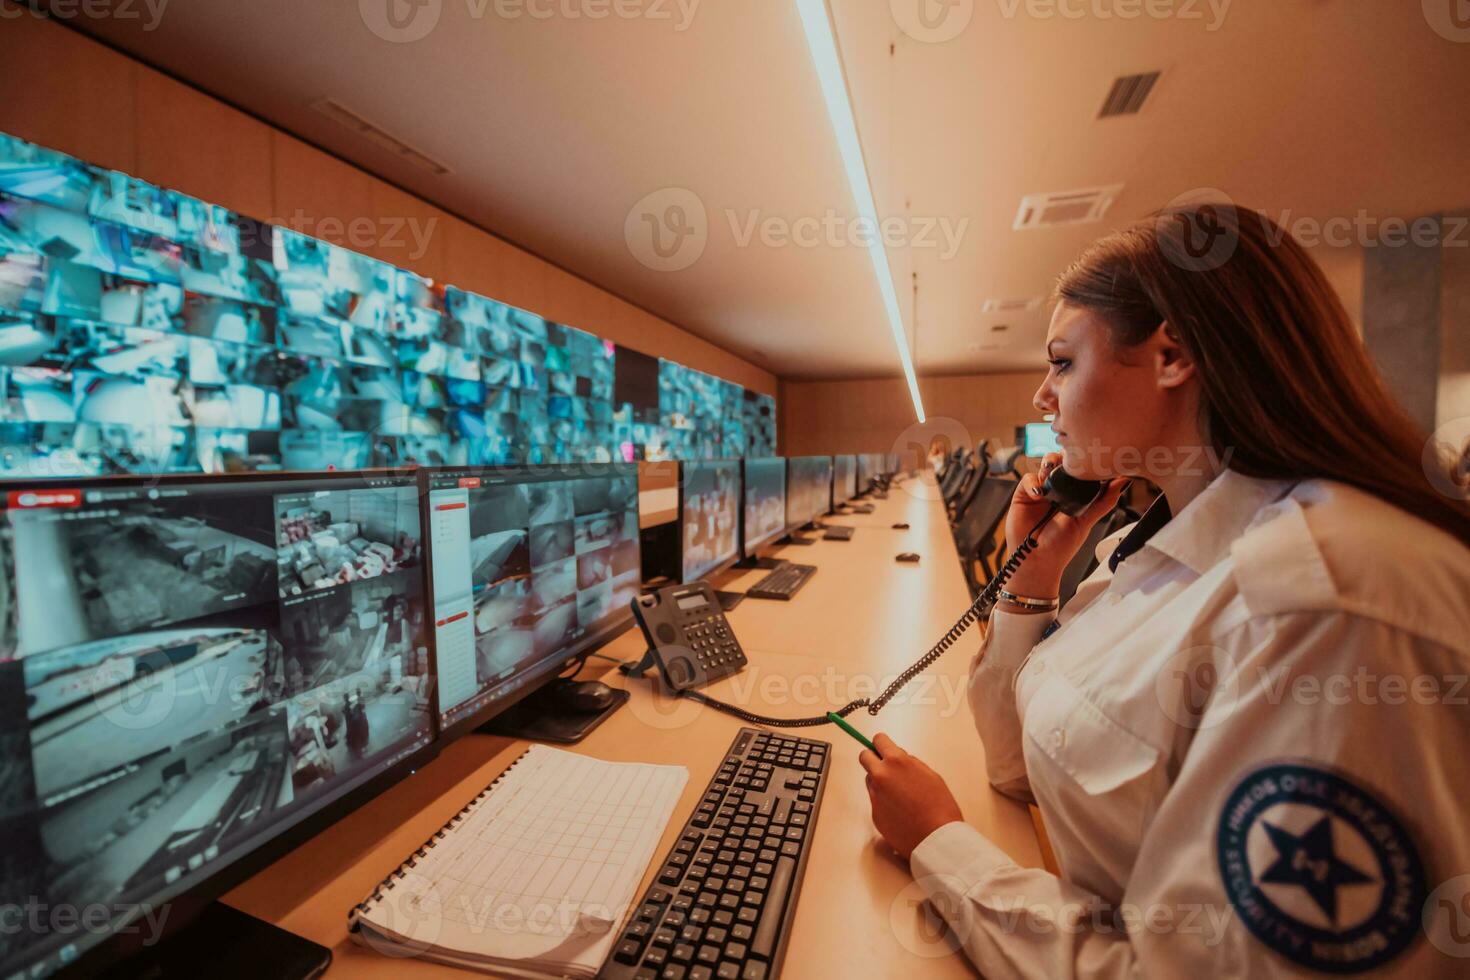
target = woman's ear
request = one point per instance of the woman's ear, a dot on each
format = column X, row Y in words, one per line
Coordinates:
column 1173, row 365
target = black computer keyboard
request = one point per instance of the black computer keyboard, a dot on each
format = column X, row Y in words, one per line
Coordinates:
column 783, row 583
column 722, row 905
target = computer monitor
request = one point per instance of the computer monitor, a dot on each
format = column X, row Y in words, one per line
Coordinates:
column 709, row 517
column 844, row 479
column 866, row 471
column 764, row 514
column 808, row 489
column 196, row 674
column 1040, row 439
column 529, row 567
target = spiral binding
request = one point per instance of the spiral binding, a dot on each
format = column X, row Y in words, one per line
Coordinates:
column 978, row 610
column 423, row 850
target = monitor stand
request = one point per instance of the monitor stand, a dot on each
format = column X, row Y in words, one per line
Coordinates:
column 236, row 946
column 729, row 600
column 545, row 717
column 766, row 563
column 792, row 538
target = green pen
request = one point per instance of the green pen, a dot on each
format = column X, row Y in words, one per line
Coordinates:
column 837, row 720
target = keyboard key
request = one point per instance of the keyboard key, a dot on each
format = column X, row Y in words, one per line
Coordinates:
column 682, row 953
column 627, row 952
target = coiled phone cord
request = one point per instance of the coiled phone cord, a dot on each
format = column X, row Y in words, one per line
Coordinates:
column 978, row 610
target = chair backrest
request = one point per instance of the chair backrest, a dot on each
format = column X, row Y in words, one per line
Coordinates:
column 967, row 495
column 983, row 515
column 962, row 475
column 1084, row 563
column 1004, row 461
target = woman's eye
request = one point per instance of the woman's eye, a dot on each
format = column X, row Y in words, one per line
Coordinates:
column 1060, row 364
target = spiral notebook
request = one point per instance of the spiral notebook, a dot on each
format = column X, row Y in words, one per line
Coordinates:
column 534, row 875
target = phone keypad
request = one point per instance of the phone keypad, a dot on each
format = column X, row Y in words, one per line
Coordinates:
column 712, row 642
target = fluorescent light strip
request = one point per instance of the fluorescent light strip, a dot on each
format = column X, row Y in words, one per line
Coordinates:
column 822, row 40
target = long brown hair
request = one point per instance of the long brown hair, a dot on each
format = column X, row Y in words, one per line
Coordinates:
column 1289, row 390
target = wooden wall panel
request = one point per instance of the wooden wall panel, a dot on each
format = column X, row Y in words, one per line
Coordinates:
column 872, row 416
column 190, row 142
column 316, row 193
column 411, row 233
column 482, row 263
column 66, row 92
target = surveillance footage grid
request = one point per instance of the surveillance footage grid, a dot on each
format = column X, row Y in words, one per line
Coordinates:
column 185, row 669
column 765, row 500
column 145, row 331
column 711, row 516
column 523, row 571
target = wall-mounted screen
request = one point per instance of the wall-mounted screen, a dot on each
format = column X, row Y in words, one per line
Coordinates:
column 142, row 330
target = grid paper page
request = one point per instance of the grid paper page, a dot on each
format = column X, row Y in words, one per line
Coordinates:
column 560, row 837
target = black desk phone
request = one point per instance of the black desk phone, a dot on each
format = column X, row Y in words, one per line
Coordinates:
column 687, row 632
column 693, row 644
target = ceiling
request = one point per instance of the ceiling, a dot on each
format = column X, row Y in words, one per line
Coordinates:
column 554, row 128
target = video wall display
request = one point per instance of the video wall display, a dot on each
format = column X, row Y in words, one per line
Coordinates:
column 185, row 668
column 142, row 330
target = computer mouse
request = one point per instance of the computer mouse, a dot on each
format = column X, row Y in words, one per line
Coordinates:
column 900, row 527
column 587, row 696
column 908, row 556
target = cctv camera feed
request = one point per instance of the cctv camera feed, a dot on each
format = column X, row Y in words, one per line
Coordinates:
column 710, row 516
column 844, row 480
column 530, row 566
column 145, row 331
column 808, row 489
column 765, row 501
column 177, row 686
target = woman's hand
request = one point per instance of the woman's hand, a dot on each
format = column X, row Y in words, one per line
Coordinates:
column 1041, row 575
column 910, row 800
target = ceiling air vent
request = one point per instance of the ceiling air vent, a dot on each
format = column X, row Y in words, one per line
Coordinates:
column 1011, row 305
column 1128, row 95
column 1066, row 207
column 344, row 116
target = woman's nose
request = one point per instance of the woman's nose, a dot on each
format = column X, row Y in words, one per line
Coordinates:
column 1044, row 399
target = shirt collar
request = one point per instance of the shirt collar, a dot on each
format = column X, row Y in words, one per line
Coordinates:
column 1204, row 530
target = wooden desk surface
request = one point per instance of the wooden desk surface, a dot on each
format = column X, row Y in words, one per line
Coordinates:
column 858, row 622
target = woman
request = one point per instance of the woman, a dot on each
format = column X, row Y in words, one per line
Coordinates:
column 1247, row 733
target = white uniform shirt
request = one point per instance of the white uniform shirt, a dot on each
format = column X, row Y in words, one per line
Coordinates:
column 1250, row 743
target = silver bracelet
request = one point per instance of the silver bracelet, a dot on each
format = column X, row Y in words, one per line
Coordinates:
column 1026, row 602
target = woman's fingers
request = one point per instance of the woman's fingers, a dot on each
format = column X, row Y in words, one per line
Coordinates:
column 887, row 747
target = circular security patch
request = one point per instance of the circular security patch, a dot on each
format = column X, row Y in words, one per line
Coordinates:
column 1319, row 870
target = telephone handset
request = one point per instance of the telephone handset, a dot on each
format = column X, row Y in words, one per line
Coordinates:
column 1071, row 495
column 693, row 644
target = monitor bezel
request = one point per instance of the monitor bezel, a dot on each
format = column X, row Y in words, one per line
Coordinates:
column 538, row 678
column 751, row 549
column 186, row 905
column 729, row 563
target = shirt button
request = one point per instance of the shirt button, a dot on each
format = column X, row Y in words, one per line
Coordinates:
column 1058, row 739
